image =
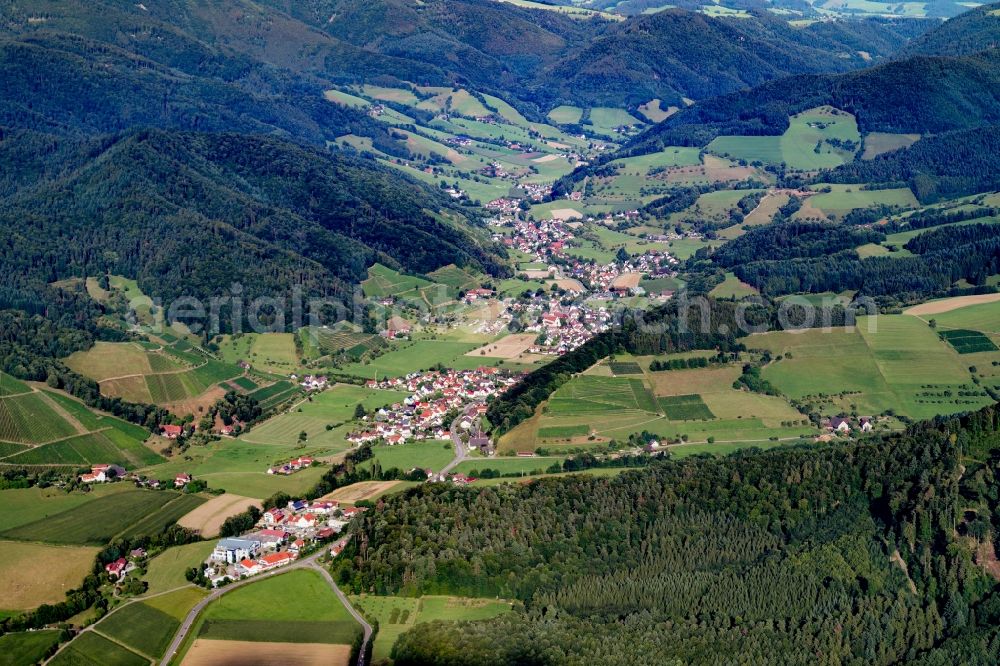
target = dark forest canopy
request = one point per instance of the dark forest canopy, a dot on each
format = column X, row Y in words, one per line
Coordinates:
column 946, row 166
column 189, row 214
column 856, row 551
column 970, row 32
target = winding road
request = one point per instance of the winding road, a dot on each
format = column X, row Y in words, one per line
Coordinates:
column 460, row 450
column 308, row 562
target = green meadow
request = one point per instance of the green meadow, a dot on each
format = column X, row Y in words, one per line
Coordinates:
column 805, row 145
column 398, row 614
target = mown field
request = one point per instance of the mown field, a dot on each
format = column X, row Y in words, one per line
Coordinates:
column 294, row 607
column 398, row 614
column 90, row 648
column 433, row 454
column 32, row 574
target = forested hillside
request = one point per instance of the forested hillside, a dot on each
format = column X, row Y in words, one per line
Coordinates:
column 949, row 165
column 846, row 552
column 546, row 58
column 674, row 54
column 920, row 95
column 192, row 213
column 976, row 30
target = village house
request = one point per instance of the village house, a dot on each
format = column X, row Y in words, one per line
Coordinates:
column 274, row 560
column 182, row 480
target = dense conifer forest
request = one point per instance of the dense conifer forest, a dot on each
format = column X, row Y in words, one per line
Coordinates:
column 863, row 552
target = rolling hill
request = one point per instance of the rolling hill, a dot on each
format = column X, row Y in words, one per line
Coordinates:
column 976, row 30
column 191, row 213
column 921, row 94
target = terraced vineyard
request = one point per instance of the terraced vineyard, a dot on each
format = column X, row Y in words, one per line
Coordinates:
column 28, row 418
column 48, row 428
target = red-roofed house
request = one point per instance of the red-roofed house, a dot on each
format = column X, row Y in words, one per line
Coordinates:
column 275, row 560
column 306, row 520
column 182, row 480
column 171, row 431
column 117, row 568
column 248, row 567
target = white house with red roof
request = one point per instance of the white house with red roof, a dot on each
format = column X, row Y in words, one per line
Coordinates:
column 182, row 480
column 118, row 568
column 171, row 431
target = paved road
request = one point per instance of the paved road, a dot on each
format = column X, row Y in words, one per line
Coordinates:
column 367, row 628
column 460, row 450
column 309, row 562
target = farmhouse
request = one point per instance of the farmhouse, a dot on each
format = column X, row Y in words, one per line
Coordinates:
column 838, row 424
column 102, row 473
column 182, row 480
column 232, row 550
column 119, row 567
column 171, row 431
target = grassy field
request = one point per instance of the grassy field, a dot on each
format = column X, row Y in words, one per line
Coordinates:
column 605, row 118
column 897, row 362
column 333, row 407
column 91, row 649
column 521, row 466
column 566, row 115
column 240, row 467
column 699, row 404
column 733, row 287
column 398, row 614
column 981, row 317
column 166, row 570
column 33, row 574
column 433, row 454
column 141, row 627
column 26, row 648
column 805, row 145
column 97, row 522
column 27, row 505
column 407, row 357
column 878, row 143
column 298, row 606
column 841, row 199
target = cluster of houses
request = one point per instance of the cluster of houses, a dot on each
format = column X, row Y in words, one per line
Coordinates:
column 292, row 466
column 281, row 535
column 311, row 382
column 108, row 472
column 561, row 327
column 844, row 426
column 122, row 566
column 432, row 396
